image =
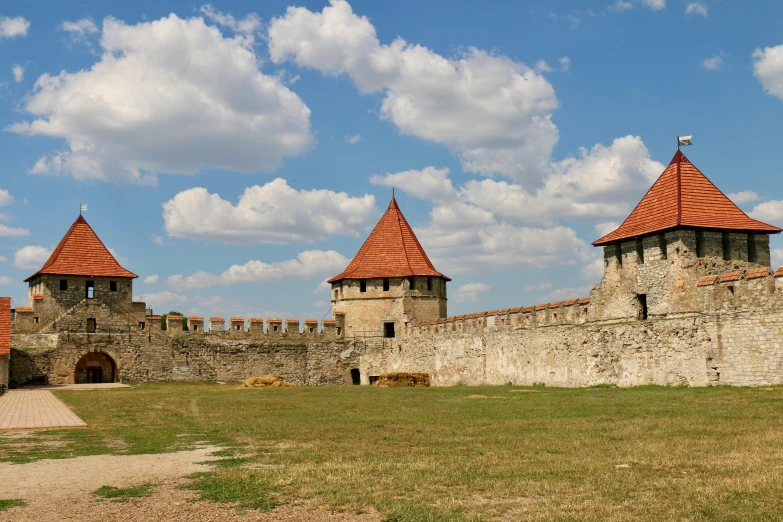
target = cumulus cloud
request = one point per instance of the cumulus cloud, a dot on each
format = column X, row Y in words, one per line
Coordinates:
column 31, row 257
column 594, row 270
column 429, row 183
column 565, row 63
column 353, row 140
column 163, row 300
column 768, row 69
column 18, row 73
column 272, row 213
column 696, row 8
column 469, row 293
column 151, row 279
column 5, row 280
column 655, row 5
column 604, row 228
column 744, row 197
column 80, row 28
column 5, row 198
column 493, row 112
column 13, row 27
column 769, row 212
column 620, row 5
column 247, row 25
column 323, row 286
column 3, row 259
column 307, row 264
column 713, row 63
column 167, row 96
column 6, row 231
column 777, row 257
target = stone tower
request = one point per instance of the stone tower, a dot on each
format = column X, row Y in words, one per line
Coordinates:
column 81, row 289
column 684, row 228
column 388, row 283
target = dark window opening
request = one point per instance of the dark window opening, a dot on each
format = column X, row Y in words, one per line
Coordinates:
column 731, row 289
column 699, row 243
column 35, row 320
column 339, row 330
column 662, row 245
column 618, row 255
column 335, row 294
column 429, row 284
column 412, row 282
column 90, row 289
column 112, row 286
column 91, row 326
column 236, row 327
column 752, row 253
column 274, row 328
column 374, row 378
column 311, row 329
column 356, row 377
column 388, row 330
column 640, row 251
column 63, row 284
column 642, row 306
column 726, row 246
column 385, row 285
column 362, row 286
column 141, row 325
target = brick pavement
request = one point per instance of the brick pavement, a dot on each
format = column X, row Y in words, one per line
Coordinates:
column 24, row 409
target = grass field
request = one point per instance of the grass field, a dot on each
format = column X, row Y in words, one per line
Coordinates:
column 460, row 453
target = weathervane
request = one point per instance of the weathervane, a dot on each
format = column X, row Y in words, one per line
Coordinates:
column 683, row 141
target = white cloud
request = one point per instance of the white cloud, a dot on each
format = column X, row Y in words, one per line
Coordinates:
column 307, row 264
column 158, row 240
column 13, row 232
column 323, row 286
column 714, row 63
column 168, row 96
column 594, row 270
column 604, row 228
column 247, row 25
column 119, row 258
column 565, row 63
column 429, row 183
column 777, row 257
column 3, row 259
column 493, row 112
column 80, row 28
column 18, row 72
column 655, row 5
column 5, row 198
column 469, row 293
column 696, row 8
column 353, row 140
column 744, row 197
column 5, row 280
column 562, row 294
column 543, row 67
column 770, row 212
column 149, row 280
column 768, row 69
column 620, row 5
column 13, row 27
column 272, row 213
column 31, row 257
column 163, row 300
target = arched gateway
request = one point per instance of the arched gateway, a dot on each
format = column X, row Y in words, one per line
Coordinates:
column 94, row 368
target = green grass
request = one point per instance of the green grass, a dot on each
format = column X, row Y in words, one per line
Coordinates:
column 702, row 454
column 12, row 502
column 123, row 494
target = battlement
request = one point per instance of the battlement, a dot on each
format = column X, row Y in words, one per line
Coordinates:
column 571, row 312
column 238, row 328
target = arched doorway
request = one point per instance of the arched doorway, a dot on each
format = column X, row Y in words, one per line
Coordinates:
column 94, row 368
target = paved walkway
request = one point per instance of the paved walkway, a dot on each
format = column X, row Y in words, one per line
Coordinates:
column 25, row 409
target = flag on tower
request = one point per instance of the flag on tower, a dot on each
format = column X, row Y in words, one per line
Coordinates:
column 683, row 141
column 83, row 208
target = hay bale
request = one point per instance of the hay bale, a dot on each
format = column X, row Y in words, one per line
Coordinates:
column 266, row 381
column 403, row 379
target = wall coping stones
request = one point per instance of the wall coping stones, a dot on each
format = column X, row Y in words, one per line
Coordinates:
column 256, row 320
column 707, row 281
column 570, row 302
column 584, row 301
column 556, row 304
column 24, row 309
column 755, row 273
column 196, row 318
column 542, row 307
column 528, row 309
column 779, row 272
column 216, row 318
column 731, row 276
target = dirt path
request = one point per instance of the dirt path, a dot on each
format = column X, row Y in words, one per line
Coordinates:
column 57, row 490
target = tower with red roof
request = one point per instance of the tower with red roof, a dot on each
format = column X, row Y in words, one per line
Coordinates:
column 81, row 288
column 682, row 229
column 389, row 282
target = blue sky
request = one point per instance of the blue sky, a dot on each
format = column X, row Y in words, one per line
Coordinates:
column 235, row 155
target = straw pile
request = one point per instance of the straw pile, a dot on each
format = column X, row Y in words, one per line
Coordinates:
column 266, row 381
column 402, row 379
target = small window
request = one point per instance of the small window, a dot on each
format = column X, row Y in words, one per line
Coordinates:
column 388, row 330
column 663, row 246
column 752, row 253
column 640, row 251
column 35, row 320
column 412, row 282
column 339, row 330
column 385, row 285
column 374, row 378
column 63, row 284
column 335, row 294
column 91, row 326
column 311, row 329
column 195, row 327
column 429, row 284
column 726, row 246
column 112, row 286
column 699, row 243
column 362, row 286
column 642, row 306
column 141, row 325
column 90, row 289
column 236, row 327
column 274, row 328
column 356, row 378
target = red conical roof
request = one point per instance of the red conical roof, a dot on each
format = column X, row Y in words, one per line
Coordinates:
column 392, row 250
column 80, row 252
column 684, row 197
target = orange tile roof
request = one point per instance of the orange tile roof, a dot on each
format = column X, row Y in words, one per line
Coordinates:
column 528, row 309
column 275, row 320
column 570, row 302
column 311, row 321
column 683, row 196
column 292, row 320
column 174, row 317
column 256, row 320
column 707, row 281
column 37, row 297
column 5, row 325
column 460, row 317
column 216, row 319
column 779, row 272
column 195, row 318
column 391, row 250
column 757, row 272
column 542, row 307
column 236, row 319
column 515, row 310
column 328, row 322
column 556, row 304
column 584, row 301
column 24, row 309
column 731, row 276
column 153, row 318
column 81, row 252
